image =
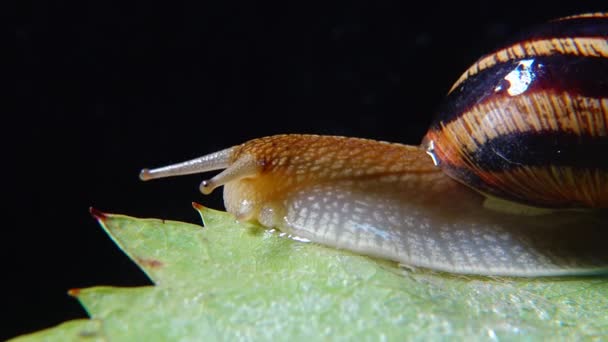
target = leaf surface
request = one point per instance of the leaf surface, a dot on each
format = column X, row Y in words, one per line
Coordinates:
column 231, row 280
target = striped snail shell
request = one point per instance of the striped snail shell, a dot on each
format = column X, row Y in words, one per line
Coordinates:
column 529, row 122
column 511, row 179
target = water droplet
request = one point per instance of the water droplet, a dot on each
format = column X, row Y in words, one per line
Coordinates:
column 430, row 150
column 521, row 77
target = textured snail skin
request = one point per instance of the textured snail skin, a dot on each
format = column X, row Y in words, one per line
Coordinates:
column 522, row 183
column 390, row 201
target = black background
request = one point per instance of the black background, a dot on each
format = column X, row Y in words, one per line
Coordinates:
column 105, row 88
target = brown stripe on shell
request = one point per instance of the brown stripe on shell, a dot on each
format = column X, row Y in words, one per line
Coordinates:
column 584, row 76
column 575, row 46
column 543, row 186
column 540, row 111
column 580, row 35
column 541, row 148
column 457, row 146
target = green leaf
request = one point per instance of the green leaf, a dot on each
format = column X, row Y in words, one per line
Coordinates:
column 77, row 330
column 230, row 280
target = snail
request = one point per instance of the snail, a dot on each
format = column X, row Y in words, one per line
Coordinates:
column 511, row 179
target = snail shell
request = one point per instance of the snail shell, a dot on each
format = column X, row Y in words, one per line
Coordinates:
column 524, row 129
column 529, row 122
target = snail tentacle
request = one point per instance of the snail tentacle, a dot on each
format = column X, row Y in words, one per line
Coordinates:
column 210, row 162
column 244, row 166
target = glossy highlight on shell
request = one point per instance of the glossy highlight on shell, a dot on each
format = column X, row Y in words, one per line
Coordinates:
column 529, row 122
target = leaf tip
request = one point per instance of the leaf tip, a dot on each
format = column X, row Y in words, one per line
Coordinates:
column 198, row 206
column 98, row 215
column 74, row 292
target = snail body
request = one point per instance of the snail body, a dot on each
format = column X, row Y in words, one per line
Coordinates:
column 509, row 180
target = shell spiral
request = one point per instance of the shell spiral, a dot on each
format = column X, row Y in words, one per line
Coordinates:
column 529, row 122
